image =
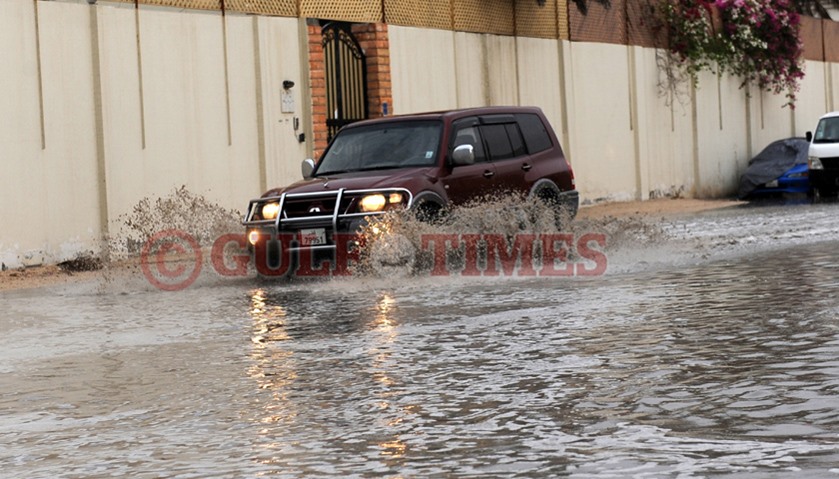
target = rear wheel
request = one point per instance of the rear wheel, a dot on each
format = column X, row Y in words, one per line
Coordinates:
column 548, row 193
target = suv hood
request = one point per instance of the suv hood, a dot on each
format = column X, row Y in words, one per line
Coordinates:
column 359, row 180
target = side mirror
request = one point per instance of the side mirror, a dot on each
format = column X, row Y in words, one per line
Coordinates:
column 463, row 155
column 307, row 168
column 809, row 136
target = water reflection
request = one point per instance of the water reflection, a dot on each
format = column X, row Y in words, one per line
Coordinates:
column 385, row 308
column 358, row 373
column 697, row 370
column 689, row 361
column 268, row 320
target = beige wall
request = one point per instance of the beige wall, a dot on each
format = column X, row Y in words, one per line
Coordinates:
column 599, row 121
column 196, row 101
column 663, row 134
column 721, row 134
column 105, row 105
column 469, row 69
column 188, row 123
column 423, row 79
column 49, row 192
column 540, row 78
column 624, row 140
column 279, row 59
column 814, row 98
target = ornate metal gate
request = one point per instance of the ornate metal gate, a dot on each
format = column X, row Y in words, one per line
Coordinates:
column 346, row 77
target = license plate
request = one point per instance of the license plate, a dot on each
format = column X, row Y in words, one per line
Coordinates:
column 312, row 237
column 772, row 184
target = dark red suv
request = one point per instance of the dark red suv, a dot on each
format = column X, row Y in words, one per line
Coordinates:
column 423, row 162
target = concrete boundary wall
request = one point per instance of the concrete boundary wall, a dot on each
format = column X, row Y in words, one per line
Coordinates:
column 624, row 140
column 104, row 105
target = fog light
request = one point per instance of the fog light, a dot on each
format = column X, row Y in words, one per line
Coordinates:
column 253, row 236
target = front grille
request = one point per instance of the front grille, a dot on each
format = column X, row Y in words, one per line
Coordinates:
column 303, row 207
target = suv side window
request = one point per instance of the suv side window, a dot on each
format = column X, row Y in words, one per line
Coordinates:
column 466, row 132
column 535, row 134
column 497, row 142
column 504, row 141
column 515, row 139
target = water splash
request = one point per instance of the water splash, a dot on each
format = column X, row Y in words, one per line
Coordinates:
column 394, row 246
column 180, row 210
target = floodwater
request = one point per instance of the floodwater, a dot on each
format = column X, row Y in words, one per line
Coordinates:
column 710, row 348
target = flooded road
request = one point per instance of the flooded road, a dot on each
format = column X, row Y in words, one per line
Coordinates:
column 709, row 348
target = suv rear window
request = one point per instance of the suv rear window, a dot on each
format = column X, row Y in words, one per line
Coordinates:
column 535, row 134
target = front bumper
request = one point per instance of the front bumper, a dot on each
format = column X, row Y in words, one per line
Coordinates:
column 318, row 222
column 783, row 185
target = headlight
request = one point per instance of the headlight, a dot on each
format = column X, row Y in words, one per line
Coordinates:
column 815, row 163
column 270, row 211
column 372, row 203
column 380, row 202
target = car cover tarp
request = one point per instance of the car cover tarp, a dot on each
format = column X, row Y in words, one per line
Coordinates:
column 772, row 162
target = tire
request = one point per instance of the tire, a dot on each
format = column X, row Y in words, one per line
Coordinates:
column 549, row 193
column 429, row 212
column 268, row 263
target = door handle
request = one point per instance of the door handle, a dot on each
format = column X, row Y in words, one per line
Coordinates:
column 489, row 174
column 526, row 166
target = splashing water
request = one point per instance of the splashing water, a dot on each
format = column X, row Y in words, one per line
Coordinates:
column 180, row 210
column 396, row 244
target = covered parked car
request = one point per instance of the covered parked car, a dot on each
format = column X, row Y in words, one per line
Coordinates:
column 422, row 162
column 780, row 169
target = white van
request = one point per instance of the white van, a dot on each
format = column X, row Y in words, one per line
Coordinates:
column 823, row 156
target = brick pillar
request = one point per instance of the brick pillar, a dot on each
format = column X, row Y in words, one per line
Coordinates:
column 373, row 39
column 317, row 87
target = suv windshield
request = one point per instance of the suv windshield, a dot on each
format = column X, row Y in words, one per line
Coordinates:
column 827, row 131
column 382, row 146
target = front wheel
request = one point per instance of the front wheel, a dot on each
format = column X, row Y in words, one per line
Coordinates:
column 272, row 261
column 429, row 212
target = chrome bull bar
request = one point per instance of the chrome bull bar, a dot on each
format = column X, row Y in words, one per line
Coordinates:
column 333, row 217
